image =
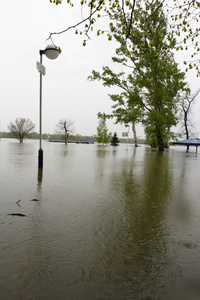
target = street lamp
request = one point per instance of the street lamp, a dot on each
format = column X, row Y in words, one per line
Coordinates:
column 52, row 52
column 127, row 134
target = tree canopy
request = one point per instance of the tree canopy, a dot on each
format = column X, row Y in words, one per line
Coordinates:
column 128, row 106
column 96, row 9
column 184, row 21
column 152, row 79
column 21, row 128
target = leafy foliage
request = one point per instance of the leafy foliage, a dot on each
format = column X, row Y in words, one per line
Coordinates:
column 95, row 10
column 150, row 90
column 185, row 18
column 128, row 106
column 21, row 128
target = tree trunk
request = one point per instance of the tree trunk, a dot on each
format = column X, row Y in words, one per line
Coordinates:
column 161, row 144
column 161, row 148
column 186, row 131
column 65, row 139
column 134, row 134
column 21, row 138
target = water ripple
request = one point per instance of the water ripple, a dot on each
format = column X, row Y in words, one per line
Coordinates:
column 64, row 274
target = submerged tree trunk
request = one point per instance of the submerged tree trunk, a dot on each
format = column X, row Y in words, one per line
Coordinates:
column 66, row 138
column 134, row 134
column 161, row 148
column 161, row 145
column 21, row 138
column 186, row 131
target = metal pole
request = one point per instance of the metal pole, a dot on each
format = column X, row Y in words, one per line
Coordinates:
column 40, row 152
column 127, row 139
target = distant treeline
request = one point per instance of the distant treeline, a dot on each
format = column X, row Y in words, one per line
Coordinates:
column 46, row 136
column 78, row 137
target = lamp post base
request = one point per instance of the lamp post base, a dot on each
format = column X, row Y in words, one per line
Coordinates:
column 40, row 158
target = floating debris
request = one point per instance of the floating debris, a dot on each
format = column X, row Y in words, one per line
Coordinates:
column 34, row 199
column 18, row 202
column 17, row 214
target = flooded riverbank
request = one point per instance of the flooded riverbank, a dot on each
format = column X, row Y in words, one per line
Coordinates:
column 110, row 223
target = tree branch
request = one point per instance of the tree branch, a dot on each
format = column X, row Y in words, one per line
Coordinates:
column 81, row 22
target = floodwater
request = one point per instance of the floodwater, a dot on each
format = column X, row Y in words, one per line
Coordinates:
column 110, row 223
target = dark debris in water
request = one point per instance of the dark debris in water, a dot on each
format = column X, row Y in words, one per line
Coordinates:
column 17, row 214
column 34, row 199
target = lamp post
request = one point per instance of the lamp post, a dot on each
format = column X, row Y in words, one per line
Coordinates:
column 52, row 52
column 127, row 125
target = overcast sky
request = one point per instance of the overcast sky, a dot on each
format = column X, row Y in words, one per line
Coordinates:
column 25, row 26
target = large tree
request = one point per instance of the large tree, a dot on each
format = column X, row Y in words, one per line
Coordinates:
column 155, row 79
column 157, row 74
column 21, row 128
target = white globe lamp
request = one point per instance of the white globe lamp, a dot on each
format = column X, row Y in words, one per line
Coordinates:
column 51, row 51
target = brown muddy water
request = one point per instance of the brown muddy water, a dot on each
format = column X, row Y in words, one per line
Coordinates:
column 110, row 223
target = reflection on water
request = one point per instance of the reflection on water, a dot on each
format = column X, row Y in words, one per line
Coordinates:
column 39, row 179
column 109, row 223
column 131, row 226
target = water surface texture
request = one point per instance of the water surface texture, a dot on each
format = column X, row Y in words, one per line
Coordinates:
column 110, row 223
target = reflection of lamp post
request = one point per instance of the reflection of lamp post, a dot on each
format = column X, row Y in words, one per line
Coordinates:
column 51, row 52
